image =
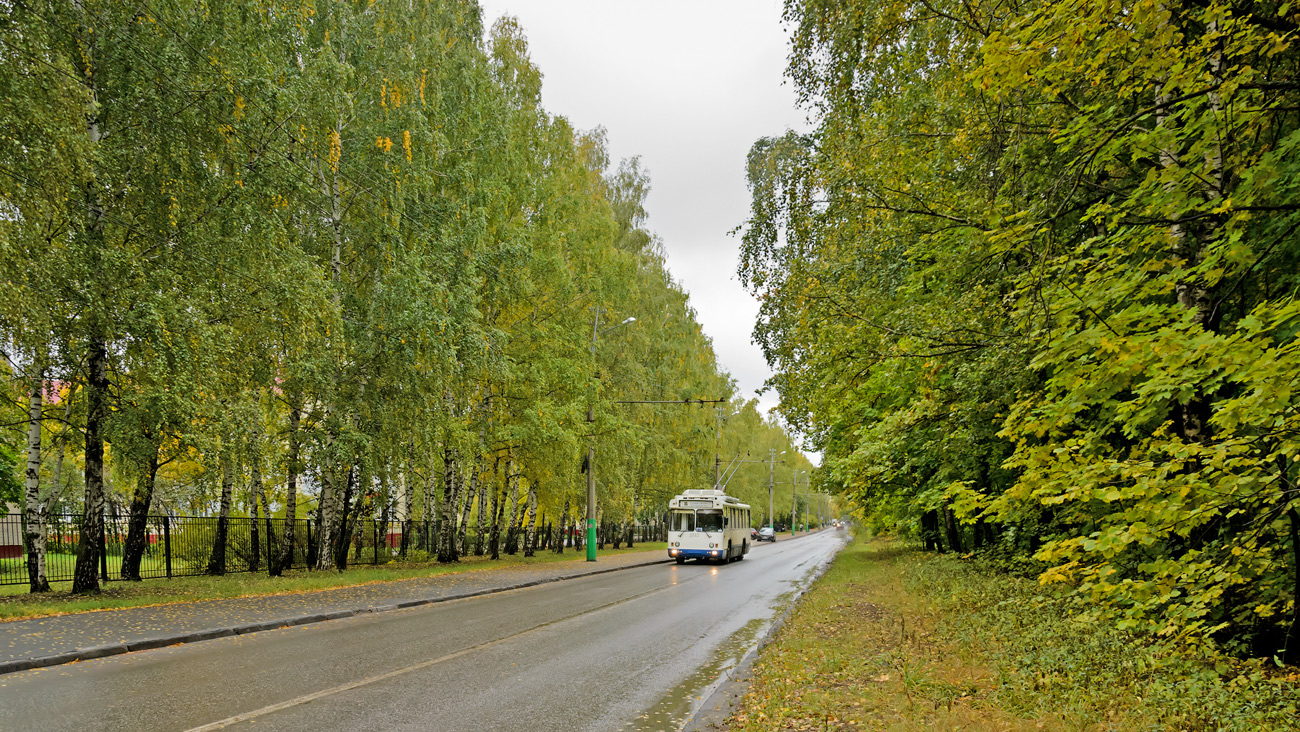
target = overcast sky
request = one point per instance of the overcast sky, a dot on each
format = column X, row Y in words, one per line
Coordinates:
column 688, row 85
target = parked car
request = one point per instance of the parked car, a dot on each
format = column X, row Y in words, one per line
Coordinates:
column 753, row 533
column 767, row 533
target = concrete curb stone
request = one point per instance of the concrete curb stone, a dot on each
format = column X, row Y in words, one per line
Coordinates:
column 102, row 651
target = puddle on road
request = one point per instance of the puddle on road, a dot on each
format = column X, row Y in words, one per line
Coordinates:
column 674, row 709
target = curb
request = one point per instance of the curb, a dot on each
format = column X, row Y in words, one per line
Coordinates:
column 194, row 636
column 747, row 660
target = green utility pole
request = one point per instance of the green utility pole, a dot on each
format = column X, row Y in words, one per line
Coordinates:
column 591, row 441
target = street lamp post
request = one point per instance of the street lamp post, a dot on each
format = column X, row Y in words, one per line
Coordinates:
column 591, row 442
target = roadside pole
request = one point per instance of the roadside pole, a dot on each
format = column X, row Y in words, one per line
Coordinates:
column 596, row 332
column 591, row 450
column 771, row 468
column 794, row 503
column 771, row 475
column 591, row 489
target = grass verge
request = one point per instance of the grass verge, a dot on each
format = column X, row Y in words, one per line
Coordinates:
column 896, row 639
column 16, row 603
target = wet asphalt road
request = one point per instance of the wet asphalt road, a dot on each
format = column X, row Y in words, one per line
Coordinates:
column 629, row 650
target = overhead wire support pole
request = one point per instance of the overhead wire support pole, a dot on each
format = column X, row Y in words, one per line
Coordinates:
column 591, row 442
column 794, row 501
column 771, row 474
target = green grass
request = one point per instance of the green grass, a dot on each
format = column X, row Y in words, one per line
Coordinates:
column 149, row 563
column 16, row 602
column 896, row 639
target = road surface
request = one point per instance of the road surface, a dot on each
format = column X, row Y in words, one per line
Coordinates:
column 629, row 650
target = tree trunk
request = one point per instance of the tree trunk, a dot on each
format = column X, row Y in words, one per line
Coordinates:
column 272, row 550
column 285, row 561
column 498, row 507
column 1188, row 243
column 432, row 511
column 930, row 531
column 512, row 532
column 34, row 516
column 481, row 488
column 346, row 521
column 450, row 502
column 217, row 562
column 631, row 529
column 564, row 523
column 256, row 495
column 86, row 575
column 325, row 516
column 137, row 523
column 951, row 531
column 1292, row 644
column 466, row 505
column 408, row 509
column 530, row 538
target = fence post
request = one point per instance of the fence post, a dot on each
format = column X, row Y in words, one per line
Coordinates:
column 308, row 544
column 167, row 543
column 376, row 525
column 24, row 554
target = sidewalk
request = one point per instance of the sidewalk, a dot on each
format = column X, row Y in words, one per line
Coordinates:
column 50, row 641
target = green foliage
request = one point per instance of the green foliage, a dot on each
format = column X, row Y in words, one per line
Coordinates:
column 1035, row 272
column 899, row 639
column 11, row 488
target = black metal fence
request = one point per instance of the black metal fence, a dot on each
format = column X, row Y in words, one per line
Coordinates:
column 182, row 546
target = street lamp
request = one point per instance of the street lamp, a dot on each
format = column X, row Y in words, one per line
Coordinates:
column 591, row 442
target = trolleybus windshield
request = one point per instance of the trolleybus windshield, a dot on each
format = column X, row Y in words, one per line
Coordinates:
column 709, row 519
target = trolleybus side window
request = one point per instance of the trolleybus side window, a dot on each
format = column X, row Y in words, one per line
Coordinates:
column 683, row 521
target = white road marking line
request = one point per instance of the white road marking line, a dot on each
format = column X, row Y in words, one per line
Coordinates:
column 297, row 701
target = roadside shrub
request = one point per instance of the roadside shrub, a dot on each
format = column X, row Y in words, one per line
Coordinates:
column 1048, row 650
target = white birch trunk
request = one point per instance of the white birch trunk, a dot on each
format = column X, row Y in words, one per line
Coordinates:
column 34, row 514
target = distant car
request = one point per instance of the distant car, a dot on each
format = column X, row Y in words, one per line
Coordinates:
column 767, row 533
column 753, row 534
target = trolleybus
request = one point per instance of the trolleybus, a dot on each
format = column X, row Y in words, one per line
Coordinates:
column 709, row 525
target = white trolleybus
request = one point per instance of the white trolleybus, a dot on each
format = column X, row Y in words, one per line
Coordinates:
column 708, row 525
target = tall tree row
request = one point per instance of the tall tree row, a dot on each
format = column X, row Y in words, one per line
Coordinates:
column 1031, row 283
column 330, row 261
